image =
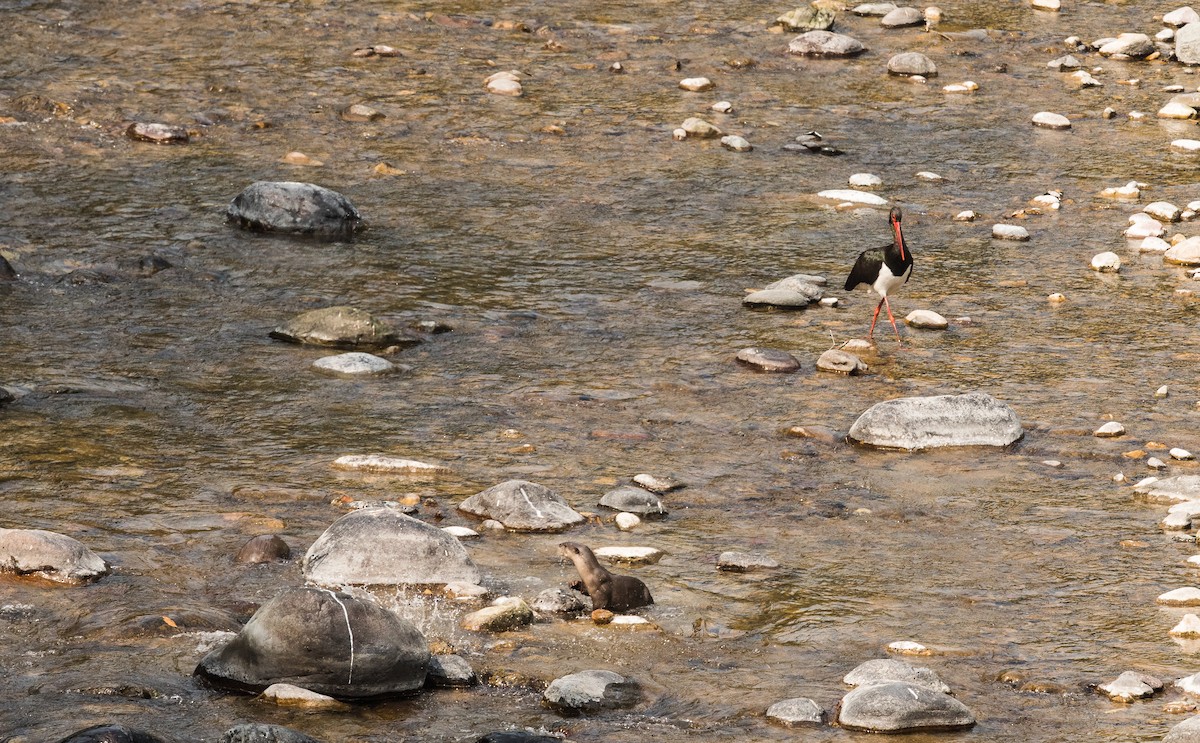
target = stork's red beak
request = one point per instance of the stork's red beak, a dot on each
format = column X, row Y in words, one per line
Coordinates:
column 899, row 237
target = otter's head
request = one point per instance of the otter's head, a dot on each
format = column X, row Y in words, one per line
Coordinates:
column 571, row 550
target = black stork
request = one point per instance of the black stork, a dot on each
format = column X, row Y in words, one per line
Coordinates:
column 884, row 270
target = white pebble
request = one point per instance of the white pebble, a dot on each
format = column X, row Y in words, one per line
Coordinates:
column 1119, row 477
column 679, row 135
column 926, row 319
column 1009, row 232
column 1052, row 463
column 736, row 143
column 1052, row 6
column 855, row 197
column 1049, row 200
column 1187, row 145
column 1178, row 453
column 1085, row 80
column 1106, row 262
column 1194, row 560
column 965, row 216
column 1155, row 463
column 1056, row 297
column 627, row 521
column 722, row 107
column 865, row 180
column 1136, row 115
column 907, row 647
column 1166, row 34
column 1109, row 430
column 354, row 363
column 461, row 532
column 830, row 301
column 1154, row 244
column 1162, row 391
column 1189, row 626
column 925, row 175
column 1176, row 110
column 1128, row 191
column 1048, row 120
column 966, row 86
column 507, row 82
column 697, row 84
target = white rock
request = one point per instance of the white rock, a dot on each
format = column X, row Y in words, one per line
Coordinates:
column 1176, row 522
column 1189, row 626
column 1162, row 391
column 387, row 464
column 926, row 175
column 1050, row 5
column 1188, row 596
column 1189, row 684
column 1142, row 230
column 830, row 301
column 506, row 82
column 355, row 363
column 926, row 319
column 1048, row 120
column 1154, row 244
column 1119, row 477
column 679, row 134
column 1106, row 262
column 1052, row 463
column 1127, row 46
column 1085, row 80
column 1185, row 253
column 628, row 620
column 1177, row 453
column 1163, row 211
column 493, row 525
column 736, row 143
column 1009, row 232
column 1130, row 685
column 1176, row 110
column 722, row 107
column 878, row 10
column 1128, row 191
column 908, row 647
column 697, row 84
column 1110, row 430
column 1181, row 17
column 852, row 196
column 1189, row 508
column 1063, row 63
column 698, row 127
column 964, row 87
column 1155, row 463
column 965, row 216
column 460, row 532
column 1187, row 145
column 865, row 180
column 1194, row 560
column 1048, row 200
column 634, row 555
column 1136, row 115
column 626, row 521
column 1165, row 34
column 1056, row 297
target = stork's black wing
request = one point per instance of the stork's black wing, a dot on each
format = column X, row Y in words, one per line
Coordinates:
column 866, row 268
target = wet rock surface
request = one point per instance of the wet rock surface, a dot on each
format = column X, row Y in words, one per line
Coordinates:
column 324, row 641
column 343, row 327
column 263, row 733
column 972, row 419
column 634, row 500
column 292, row 207
column 898, row 706
column 522, row 506
column 591, row 691
column 45, row 554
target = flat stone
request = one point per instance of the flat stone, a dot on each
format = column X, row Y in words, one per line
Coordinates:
column 852, row 196
column 637, row 500
column 736, row 143
column 1181, row 454
column 1188, row 596
column 768, row 359
column 908, row 647
column 385, row 464
column 882, row 670
column 157, row 133
column 1048, row 5
column 927, row 319
column 48, row 555
column 361, row 113
column 913, row 423
column 523, row 506
column 1176, row 110
column 911, row 63
column 591, row 691
column 1110, row 429
column 901, row 707
column 629, row 555
column 1163, row 211
column 865, row 180
column 354, row 363
column 825, row 44
column 1153, row 244
column 1130, row 192
column 1170, row 489
column 656, row 484
column 778, row 298
column 461, row 532
column 1010, row 232
column 340, row 326
column 1048, row 120
column 741, row 562
column 877, row 10
column 795, row 712
column 290, row 695
column 901, row 17
column 840, row 362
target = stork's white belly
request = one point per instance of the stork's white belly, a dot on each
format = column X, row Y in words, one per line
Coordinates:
column 888, row 281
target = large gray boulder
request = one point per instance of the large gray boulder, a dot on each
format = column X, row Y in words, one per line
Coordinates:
column 883, row 670
column 522, row 506
column 1187, row 44
column 324, row 641
column 589, row 691
column 46, row 554
column 1187, row 731
column 381, row 546
column 287, row 206
column 901, row 707
column 973, row 419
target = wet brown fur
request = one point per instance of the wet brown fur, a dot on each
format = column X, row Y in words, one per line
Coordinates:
column 608, row 591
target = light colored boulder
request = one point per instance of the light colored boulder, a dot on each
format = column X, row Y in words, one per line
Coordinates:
column 911, row 423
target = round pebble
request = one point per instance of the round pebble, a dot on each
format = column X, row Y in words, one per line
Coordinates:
column 966, row 216
column 627, row 521
column 1048, row 120
column 1106, row 262
column 722, row 107
column 354, row 363
column 926, row 319
column 1181, row 454
column 697, row 84
column 1009, row 232
column 1110, row 430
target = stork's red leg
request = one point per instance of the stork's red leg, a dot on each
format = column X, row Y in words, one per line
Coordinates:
column 875, row 317
column 889, row 311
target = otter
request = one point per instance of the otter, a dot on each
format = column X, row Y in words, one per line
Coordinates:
column 608, row 591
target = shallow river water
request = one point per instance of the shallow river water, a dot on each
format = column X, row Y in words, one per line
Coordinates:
column 592, row 270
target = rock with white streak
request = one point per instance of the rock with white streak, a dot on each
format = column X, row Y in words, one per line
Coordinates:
column 1106, row 262
column 523, row 506
column 1048, row 120
column 1010, row 232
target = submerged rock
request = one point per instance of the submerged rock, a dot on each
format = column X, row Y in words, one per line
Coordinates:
column 902, row 707
column 973, row 419
column 381, row 546
column 912, row 63
column 798, row 711
column 157, row 133
column 741, row 562
column 522, row 506
column 341, row 326
column 261, row 733
column 632, row 499
column 768, row 359
column 264, row 548
column 354, row 363
column 324, row 641
column 840, row 362
column 591, row 691
column 1170, row 489
column 806, row 19
column 288, row 206
column 111, row 734
column 46, row 554
column 825, row 44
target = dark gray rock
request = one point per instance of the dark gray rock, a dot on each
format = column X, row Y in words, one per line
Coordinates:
column 157, row 133
column 911, row 423
column 590, row 691
column 912, row 63
column 558, row 601
column 48, row 555
column 450, row 670
column 517, row 736
column 795, row 712
column 382, row 546
column 301, row 208
column 768, row 359
column 111, row 734
column 522, row 506
column 342, row 327
column 263, row 548
column 892, row 669
column 261, row 733
column 825, row 44
column 327, row 642
column 901, row 707
column 7, row 272
column 632, row 499
column 1187, row 44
